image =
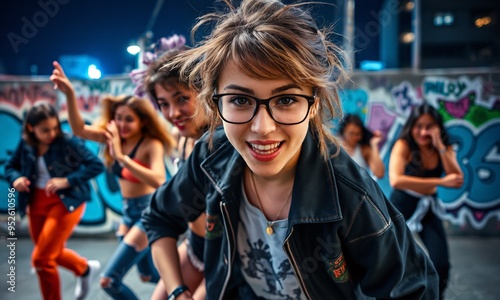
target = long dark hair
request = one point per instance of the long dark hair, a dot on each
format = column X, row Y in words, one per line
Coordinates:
column 417, row 112
column 36, row 114
column 157, row 73
column 366, row 134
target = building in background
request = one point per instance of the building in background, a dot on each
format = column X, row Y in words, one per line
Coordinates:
column 450, row 34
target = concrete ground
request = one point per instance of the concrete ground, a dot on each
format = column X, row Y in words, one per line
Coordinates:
column 475, row 272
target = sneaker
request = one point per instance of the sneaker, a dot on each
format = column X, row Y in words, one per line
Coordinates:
column 83, row 283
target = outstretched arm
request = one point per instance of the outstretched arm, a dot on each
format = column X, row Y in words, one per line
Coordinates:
column 76, row 121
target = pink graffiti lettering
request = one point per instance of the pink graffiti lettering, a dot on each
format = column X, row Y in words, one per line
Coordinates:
column 27, row 93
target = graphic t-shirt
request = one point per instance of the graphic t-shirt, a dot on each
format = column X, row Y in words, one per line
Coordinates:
column 264, row 264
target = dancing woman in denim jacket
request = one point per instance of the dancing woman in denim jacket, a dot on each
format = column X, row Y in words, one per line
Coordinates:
column 289, row 214
column 51, row 171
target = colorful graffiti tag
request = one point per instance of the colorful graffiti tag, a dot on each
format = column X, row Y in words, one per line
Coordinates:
column 468, row 104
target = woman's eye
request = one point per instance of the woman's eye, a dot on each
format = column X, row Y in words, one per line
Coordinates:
column 285, row 101
column 183, row 99
column 240, row 101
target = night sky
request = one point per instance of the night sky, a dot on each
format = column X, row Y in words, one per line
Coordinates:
column 100, row 28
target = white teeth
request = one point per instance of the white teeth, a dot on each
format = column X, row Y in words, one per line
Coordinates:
column 265, row 147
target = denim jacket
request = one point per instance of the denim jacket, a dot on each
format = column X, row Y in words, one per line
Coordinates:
column 345, row 240
column 66, row 157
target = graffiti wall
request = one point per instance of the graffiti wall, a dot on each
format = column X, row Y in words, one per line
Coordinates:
column 102, row 213
column 468, row 101
column 470, row 106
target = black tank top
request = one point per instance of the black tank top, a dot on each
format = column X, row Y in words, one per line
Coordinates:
column 116, row 168
column 415, row 168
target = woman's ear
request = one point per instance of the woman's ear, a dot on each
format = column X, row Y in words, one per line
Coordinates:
column 314, row 110
column 29, row 127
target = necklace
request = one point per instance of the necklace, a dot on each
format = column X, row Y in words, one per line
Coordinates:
column 269, row 228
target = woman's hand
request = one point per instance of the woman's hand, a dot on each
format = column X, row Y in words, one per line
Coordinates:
column 114, row 141
column 376, row 139
column 452, row 180
column 56, row 184
column 22, row 184
column 60, row 80
column 437, row 142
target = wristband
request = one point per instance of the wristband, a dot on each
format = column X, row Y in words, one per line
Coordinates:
column 442, row 151
column 177, row 291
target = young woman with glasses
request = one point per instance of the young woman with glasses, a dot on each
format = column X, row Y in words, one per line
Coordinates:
column 289, row 215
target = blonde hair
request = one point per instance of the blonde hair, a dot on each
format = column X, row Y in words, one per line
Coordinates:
column 153, row 124
column 267, row 39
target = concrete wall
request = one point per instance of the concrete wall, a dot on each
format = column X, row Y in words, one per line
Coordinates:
column 469, row 101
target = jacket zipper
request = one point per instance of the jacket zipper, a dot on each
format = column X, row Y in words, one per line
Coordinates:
column 295, row 266
column 225, row 216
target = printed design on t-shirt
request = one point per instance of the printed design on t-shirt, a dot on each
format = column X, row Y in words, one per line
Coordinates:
column 260, row 266
column 213, row 227
column 337, row 269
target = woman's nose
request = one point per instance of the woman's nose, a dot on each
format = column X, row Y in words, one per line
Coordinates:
column 262, row 122
column 174, row 112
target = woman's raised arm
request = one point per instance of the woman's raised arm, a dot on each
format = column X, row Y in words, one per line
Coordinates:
column 75, row 119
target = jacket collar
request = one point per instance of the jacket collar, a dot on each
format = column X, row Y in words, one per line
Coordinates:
column 314, row 197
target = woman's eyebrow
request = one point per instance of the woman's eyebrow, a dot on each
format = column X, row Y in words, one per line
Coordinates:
column 274, row 91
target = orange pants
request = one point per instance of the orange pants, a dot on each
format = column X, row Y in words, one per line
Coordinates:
column 50, row 225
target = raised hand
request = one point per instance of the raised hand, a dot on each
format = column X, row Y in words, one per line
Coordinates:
column 376, row 139
column 60, row 80
column 435, row 134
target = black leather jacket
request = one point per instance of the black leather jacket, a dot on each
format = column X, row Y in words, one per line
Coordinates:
column 66, row 157
column 344, row 241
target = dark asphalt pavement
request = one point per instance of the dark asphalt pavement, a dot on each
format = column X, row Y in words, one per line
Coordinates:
column 475, row 272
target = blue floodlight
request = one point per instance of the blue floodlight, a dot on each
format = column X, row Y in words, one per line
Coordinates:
column 371, row 65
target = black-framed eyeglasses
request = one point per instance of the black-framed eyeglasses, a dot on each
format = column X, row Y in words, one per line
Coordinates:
column 286, row 109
